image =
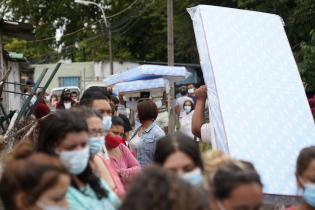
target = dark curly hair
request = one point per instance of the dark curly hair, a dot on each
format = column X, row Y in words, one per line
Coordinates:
column 157, row 189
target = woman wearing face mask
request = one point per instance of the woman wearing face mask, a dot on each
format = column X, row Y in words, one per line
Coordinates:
column 143, row 140
column 65, row 100
column 305, row 173
column 102, row 168
column 122, row 160
column 180, row 154
column 185, row 121
column 65, row 134
column 235, row 185
column 34, row 182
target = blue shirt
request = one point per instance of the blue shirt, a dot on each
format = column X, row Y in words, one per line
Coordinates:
column 147, row 145
column 86, row 199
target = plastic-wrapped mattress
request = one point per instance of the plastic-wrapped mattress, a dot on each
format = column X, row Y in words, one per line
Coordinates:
column 140, row 86
column 144, row 72
column 258, row 106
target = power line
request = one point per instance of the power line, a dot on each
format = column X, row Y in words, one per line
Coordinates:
column 129, row 25
column 84, row 28
column 122, row 11
column 65, row 35
column 73, row 45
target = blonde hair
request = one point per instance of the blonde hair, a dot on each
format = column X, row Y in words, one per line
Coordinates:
column 213, row 159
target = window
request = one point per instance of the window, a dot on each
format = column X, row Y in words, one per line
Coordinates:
column 69, row 81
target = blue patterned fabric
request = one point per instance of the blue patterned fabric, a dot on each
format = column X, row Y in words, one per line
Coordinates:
column 258, row 106
column 140, row 85
column 146, row 72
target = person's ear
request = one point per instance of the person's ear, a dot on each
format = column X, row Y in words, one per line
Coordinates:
column 299, row 181
column 22, row 201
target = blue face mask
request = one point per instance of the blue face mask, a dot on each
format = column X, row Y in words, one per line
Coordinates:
column 96, row 144
column 75, row 161
column 52, row 207
column 194, row 177
column 309, row 194
column 107, row 123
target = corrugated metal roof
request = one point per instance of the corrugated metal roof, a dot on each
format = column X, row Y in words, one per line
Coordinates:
column 17, row 29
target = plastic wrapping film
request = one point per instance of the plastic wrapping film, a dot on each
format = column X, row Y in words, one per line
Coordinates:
column 140, row 86
column 258, row 107
column 144, row 72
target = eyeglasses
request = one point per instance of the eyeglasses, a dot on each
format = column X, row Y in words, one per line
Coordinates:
column 96, row 132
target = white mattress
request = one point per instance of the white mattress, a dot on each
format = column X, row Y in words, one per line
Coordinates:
column 140, row 86
column 145, row 72
column 258, row 107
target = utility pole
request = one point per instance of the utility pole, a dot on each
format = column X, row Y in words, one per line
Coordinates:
column 107, row 26
column 110, row 46
column 170, row 56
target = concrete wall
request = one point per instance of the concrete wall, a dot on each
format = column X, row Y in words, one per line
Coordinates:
column 80, row 69
column 89, row 72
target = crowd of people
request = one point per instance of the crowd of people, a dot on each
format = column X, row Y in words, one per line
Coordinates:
column 82, row 155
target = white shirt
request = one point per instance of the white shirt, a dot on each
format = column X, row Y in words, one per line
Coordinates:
column 207, row 134
column 180, row 102
column 162, row 119
column 185, row 124
column 67, row 105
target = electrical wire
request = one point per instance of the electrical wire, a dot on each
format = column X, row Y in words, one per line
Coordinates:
column 65, row 35
column 122, row 11
column 81, row 29
column 55, row 53
column 129, row 26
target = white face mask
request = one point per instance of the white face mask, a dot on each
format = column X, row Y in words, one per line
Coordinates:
column 107, row 123
column 51, row 207
column 67, row 105
column 191, row 90
column 96, row 144
column 75, row 161
column 194, row 177
column 187, row 109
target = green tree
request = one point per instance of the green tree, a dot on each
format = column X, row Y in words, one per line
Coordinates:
column 140, row 31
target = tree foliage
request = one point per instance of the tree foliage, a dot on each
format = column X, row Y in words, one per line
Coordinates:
column 139, row 29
